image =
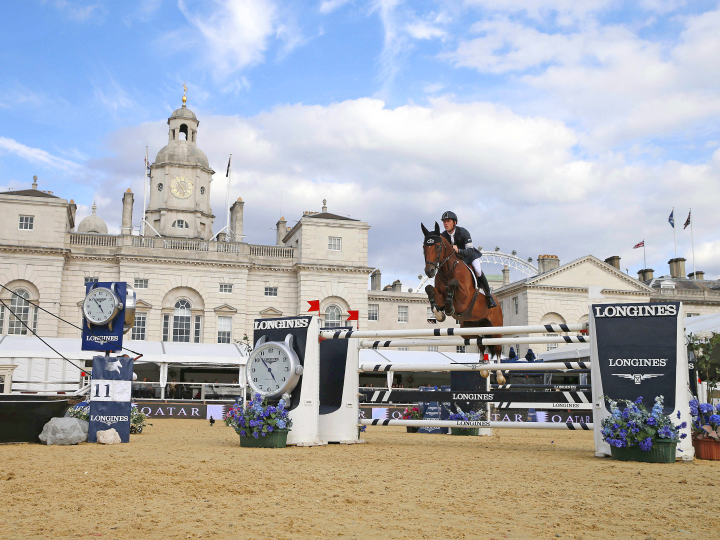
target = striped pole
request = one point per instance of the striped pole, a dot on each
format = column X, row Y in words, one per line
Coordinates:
column 438, row 332
column 480, row 342
column 513, row 366
column 477, row 424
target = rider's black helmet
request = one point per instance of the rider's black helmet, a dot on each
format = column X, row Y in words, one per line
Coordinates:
column 449, row 215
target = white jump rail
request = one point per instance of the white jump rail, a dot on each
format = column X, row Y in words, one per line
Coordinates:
column 578, row 426
column 479, row 342
column 511, row 366
column 439, row 332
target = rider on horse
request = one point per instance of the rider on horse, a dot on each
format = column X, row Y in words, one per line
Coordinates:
column 462, row 243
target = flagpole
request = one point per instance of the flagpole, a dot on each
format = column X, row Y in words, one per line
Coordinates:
column 644, row 258
column 227, row 197
column 145, row 186
column 674, row 235
column 692, row 240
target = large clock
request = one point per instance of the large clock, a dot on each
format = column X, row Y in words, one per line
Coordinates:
column 181, row 187
column 101, row 306
column 273, row 368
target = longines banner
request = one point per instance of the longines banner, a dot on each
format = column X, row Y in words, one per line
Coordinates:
column 637, row 350
column 110, row 391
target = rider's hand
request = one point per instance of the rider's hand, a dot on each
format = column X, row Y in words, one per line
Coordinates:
column 455, row 248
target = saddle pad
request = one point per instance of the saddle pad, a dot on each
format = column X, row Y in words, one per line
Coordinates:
column 475, row 279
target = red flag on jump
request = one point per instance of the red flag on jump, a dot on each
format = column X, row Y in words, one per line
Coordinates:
column 314, row 305
column 354, row 315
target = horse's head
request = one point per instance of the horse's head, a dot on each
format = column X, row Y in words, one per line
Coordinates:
column 432, row 249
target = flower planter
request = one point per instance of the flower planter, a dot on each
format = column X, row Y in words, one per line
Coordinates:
column 707, row 449
column 276, row 439
column 661, row 452
column 412, row 429
column 465, row 431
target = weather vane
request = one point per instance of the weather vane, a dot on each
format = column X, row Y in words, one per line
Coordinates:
column 184, row 91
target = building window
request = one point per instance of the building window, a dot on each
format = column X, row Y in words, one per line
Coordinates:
column 26, row 223
column 373, row 312
column 181, row 321
column 2, row 319
column 334, row 243
column 198, row 329
column 332, row 316
column 181, row 224
column 91, row 280
column 432, row 348
column 402, row 314
column 140, row 283
column 431, row 315
column 166, row 327
column 20, row 307
column 271, row 291
column 460, row 349
column 224, row 330
column 551, row 346
column 515, row 304
column 226, row 288
column 138, row 329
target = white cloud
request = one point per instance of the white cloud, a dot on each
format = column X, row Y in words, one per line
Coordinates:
column 236, row 32
column 37, row 155
column 81, row 11
column 328, row 6
column 423, row 30
column 514, row 180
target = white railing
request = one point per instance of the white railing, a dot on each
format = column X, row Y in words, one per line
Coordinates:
column 281, row 252
column 105, row 240
column 143, row 241
column 185, row 245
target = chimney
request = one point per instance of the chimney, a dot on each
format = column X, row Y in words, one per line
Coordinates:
column 127, row 213
column 236, row 219
column 397, row 286
column 613, row 261
column 506, row 276
column 281, row 231
column 677, row 267
column 34, row 184
column 324, row 207
column 699, row 275
column 547, row 263
column 646, row 274
column 72, row 210
column 376, row 280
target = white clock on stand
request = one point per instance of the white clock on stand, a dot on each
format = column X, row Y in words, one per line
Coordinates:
column 273, row 369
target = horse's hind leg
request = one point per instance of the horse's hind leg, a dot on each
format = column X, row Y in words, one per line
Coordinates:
column 497, row 349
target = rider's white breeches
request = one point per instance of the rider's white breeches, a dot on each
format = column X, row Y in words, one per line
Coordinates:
column 476, row 266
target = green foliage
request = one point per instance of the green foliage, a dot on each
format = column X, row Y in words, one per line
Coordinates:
column 707, row 360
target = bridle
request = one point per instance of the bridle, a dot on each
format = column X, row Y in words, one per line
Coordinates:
column 439, row 246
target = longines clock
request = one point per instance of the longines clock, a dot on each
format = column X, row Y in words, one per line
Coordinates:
column 181, row 187
column 273, row 368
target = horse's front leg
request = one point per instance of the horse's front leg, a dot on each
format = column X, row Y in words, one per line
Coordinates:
column 452, row 287
column 433, row 297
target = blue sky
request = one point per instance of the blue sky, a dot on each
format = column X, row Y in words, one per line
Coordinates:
column 549, row 126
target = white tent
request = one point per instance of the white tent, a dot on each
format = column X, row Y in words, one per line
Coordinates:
column 40, row 366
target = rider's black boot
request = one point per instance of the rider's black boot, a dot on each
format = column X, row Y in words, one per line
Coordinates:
column 486, row 287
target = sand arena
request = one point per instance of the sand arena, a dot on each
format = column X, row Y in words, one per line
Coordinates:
column 184, row 479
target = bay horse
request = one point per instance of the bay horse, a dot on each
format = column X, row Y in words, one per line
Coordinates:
column 455, row 293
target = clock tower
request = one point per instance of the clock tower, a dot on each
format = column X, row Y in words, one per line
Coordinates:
column 180, row 178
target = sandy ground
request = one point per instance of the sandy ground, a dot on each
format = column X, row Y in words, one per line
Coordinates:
column 184, row 479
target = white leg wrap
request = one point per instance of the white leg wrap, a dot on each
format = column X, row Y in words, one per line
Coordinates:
column 476, row 266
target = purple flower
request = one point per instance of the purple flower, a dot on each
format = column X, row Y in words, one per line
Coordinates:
column 255, row 434
column 715, row 419
column 269, row 428
column 683, row 435
column 646, row 444
column 683, row 425
column 678, row 415
column 651, row 421
column 638, row 401
column 706, row 408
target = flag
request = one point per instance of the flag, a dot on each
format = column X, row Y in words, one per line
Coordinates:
column 687, row 221
column 227, row 173
column 314, row 305
column 641, row 244
column 354, row 315
column 147, row 168
column 671, row 219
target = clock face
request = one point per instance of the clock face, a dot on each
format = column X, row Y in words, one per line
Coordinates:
column 181, row 187
column 100, row 306
column 270, row 370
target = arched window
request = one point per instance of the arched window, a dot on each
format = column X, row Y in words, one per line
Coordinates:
column 332, row 316
column 181, row 321
column 20, row 306
column 183, row 131
column 181, row 224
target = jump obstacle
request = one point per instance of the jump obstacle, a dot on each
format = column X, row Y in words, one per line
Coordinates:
column 615, row 331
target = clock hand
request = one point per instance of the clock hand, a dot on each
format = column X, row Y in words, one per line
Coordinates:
column 98, row 303
column 269, row 370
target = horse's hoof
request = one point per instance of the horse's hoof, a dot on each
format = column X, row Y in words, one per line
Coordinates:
column 440, row 316
column 499, row 377
column 484, row 373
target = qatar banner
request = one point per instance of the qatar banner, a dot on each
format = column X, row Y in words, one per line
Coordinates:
column 110, row 396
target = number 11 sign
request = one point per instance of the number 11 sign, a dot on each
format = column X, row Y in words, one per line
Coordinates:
column 110, row 396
